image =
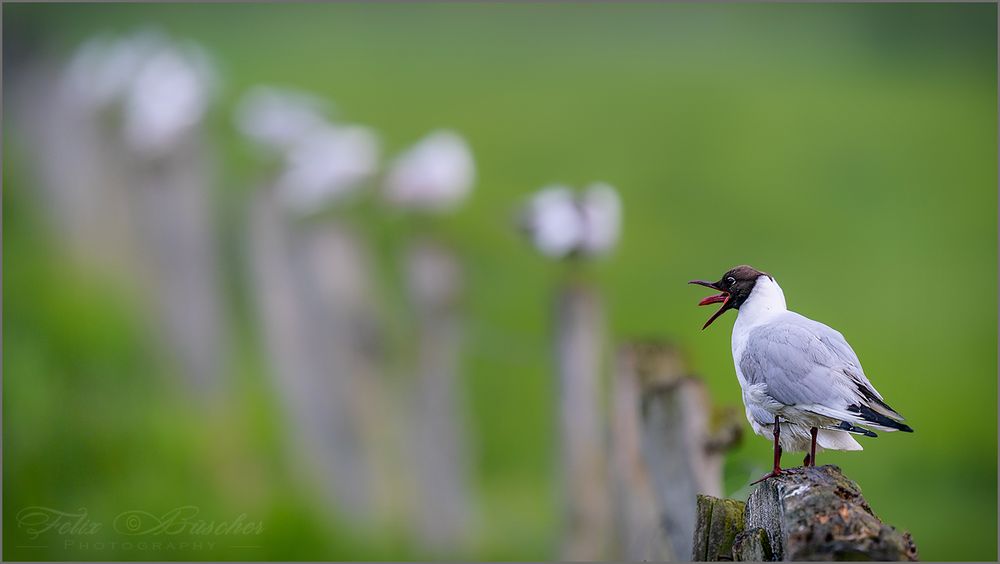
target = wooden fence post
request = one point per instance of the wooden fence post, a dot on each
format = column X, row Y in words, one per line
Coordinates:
column 337, row 268
column 177, row 236
column 310, row 283
column 804, row 514
column 79, row 168
column 444, row 509
column 682, row 440
column 579, row 340
column 638, row 533
column 144, row 217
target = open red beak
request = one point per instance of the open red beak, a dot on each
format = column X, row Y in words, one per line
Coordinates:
column 714, row 299
column 722, row 297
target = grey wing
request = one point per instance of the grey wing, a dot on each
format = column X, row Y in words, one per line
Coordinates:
column 806, row 364
column 794, row 367
column 838, row 347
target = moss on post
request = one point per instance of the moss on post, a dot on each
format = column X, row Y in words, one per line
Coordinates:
column 719, row 523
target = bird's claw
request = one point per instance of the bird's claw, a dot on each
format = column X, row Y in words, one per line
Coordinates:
column 773, row 474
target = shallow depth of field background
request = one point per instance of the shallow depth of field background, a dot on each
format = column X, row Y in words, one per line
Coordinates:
column 848, row 150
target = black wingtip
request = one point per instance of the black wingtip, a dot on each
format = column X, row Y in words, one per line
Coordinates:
column 868, row 414
column 855, row 429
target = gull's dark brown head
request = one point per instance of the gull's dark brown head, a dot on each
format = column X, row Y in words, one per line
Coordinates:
column 735, row 287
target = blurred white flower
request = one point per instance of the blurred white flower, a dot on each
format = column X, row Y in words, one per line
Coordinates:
column 561, row 222
column 167, row 97
column 326, row 164
column 436, row 174
column 553, row 221
column 101, row 70
column 275, row 118
column 601, row 211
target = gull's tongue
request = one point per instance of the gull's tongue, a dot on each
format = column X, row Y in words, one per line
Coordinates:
column 714, row 299
column 724, row 298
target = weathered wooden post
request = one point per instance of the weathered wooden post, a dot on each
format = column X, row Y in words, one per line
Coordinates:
column 563, row 224
column 435, row 176
column 438, row 442
column 313, row 285
column 579, row 358
column 132, row 202
column 172, row 179
column 64, row 115
column 311, row 361
column 342, row 274
column 639, row 535
column 682, row 439
column 803, row 515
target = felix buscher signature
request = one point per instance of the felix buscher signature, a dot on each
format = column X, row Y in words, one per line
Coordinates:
column 38, row 520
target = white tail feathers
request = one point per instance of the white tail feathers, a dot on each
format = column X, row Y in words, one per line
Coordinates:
column 837, row 440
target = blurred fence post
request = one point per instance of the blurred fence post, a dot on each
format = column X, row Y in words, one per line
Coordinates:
column 438, row 444
column 79, row 167
column 339, row 272
column 683, row 440
column 308, row 281
column 177, row 247
column 121, row 161
column 639, row 535
column 579, row 338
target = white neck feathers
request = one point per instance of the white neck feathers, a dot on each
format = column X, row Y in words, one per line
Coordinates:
column 766, row 299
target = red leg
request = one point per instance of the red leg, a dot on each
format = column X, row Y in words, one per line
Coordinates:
column 777, row 447
column 777, row 454
column 812, row 447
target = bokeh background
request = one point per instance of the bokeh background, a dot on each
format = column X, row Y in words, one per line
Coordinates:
column 850, row 150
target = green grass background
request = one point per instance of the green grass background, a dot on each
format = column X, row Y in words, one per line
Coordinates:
column 850, row 150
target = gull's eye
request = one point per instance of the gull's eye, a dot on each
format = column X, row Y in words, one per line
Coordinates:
column 730, row 280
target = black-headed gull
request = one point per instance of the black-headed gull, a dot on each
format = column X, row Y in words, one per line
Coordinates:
column 167, row 97
column 562, row 222
column 802, row 383
column 435, row 175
